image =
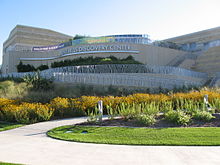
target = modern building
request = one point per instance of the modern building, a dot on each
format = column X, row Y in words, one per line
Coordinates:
column 205, row 45
column 37, row 46
column 199, row 51
column 198, row 41
column 22, row 39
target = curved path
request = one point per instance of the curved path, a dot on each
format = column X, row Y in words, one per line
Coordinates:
column 30, row 145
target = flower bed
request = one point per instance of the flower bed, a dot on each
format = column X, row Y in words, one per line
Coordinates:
column 128, row 107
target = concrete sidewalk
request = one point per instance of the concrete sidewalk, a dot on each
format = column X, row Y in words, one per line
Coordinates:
column 30, row 145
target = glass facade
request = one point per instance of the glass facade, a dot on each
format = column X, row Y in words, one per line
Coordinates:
column 127, row 38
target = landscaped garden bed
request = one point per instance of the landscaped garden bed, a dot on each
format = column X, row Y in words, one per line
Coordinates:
column 159, row 123
column 159, row 114
column 170, row 121
column 140, row 126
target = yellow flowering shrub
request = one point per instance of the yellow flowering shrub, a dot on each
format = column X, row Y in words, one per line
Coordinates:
column 4, row 101
column 60, row 105
column 113, row 101
column 59, row 102
column 27, row 112
column 138, row 98
column 65, row 107
column 87, row 102
column 40, row 112
column 23, row 112
column 8, row 112
column 196, row 96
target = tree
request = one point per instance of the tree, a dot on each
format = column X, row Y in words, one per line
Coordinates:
column 77, row 36
column 25, row 68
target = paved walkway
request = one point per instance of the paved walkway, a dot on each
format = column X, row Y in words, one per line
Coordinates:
column 30, row 145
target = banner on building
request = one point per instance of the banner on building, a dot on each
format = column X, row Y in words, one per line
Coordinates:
column 46, row 48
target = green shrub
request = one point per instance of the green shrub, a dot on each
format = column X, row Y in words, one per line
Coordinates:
column 25, row 68
column 30, row 68
column 146, row 120
column 94, row 61
column 38, row 82
column 202, row 115
column 177, row 117
column 42, row 67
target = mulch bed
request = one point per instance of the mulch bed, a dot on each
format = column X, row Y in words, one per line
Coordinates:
column 160, row 123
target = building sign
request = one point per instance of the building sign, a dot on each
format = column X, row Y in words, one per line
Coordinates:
column 87, row 49
column 96, row 48
column 46, row 48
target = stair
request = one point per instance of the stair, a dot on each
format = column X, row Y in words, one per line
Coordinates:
column 209, row 62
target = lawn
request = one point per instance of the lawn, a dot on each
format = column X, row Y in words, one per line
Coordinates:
column 209, row 136
column 2, row 163
column 6, row 126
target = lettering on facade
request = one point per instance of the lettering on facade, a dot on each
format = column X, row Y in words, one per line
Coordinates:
column 96, row 48
column 46, row 48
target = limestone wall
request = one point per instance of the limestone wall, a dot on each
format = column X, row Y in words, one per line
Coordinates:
column 209, row 61
column 34, row 36
column 200, row 37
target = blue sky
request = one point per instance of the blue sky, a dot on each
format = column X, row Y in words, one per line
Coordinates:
column 159, row 18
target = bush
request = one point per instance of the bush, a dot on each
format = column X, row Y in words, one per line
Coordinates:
column 202, row 115
column 38, row 82
column 25, row 68
column 177, row 117
column 42, row 67
column 65, row 107
column 4, row 102
column 129, row 107
column 146, row 120
column 30, row 68
column 8, row 113
column 26, row 113
column 61, row 105
column 94, row 61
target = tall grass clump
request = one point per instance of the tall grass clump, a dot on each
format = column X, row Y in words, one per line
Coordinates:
column 12, row 90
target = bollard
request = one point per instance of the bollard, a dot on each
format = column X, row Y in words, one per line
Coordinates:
column 206, row 101
column 100, row 108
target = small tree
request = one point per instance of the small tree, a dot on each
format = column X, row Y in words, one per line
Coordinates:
column 25, row 68
column 38, row 82
column 77, row 36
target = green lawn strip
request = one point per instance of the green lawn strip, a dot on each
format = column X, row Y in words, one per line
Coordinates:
column 209, row 136
column 6, row 126
column 3, row 163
